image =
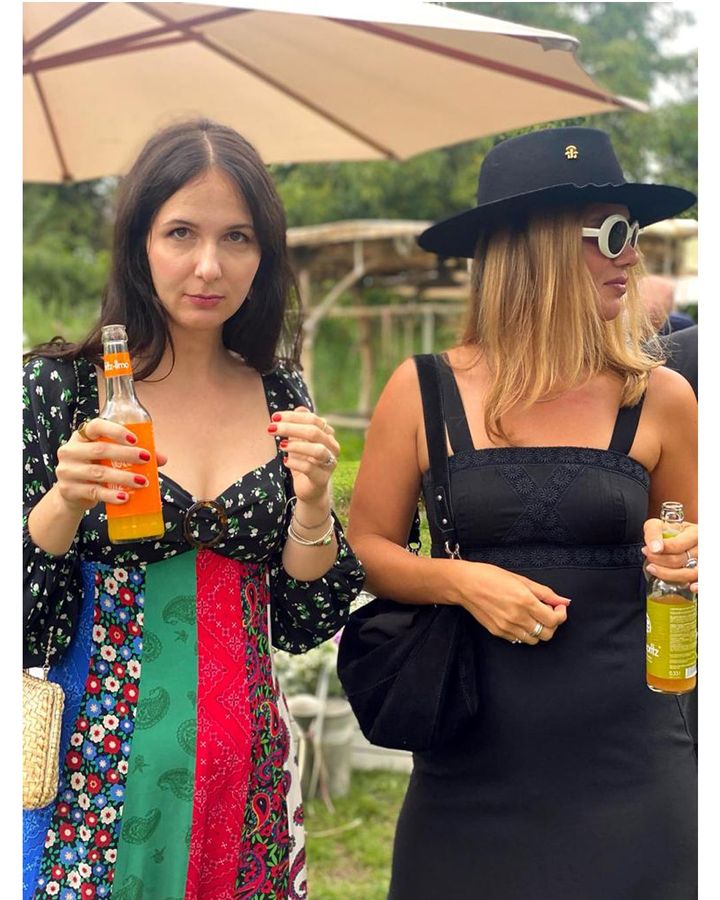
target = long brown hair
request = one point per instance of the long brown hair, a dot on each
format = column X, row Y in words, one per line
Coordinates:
column 267, row 327
column 533, row 317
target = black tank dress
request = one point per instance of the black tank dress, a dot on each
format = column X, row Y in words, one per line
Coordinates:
column 575, row 782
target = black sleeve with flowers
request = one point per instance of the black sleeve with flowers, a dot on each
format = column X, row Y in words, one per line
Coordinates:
column 306, row 613
column 52, row 586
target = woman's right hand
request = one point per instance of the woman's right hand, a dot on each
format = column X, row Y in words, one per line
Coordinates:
column 510, row 606
column 80, row 473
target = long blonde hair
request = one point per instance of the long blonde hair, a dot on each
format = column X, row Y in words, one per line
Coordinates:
column 533, row 317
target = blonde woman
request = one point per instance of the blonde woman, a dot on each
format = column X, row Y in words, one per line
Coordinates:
column 565, row 433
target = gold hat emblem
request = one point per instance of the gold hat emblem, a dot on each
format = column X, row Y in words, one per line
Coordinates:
column 571, row 151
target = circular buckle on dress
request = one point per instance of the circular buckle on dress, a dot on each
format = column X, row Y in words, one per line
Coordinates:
column 220, row 519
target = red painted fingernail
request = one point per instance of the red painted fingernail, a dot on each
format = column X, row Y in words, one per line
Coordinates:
column 276, row 417
column 140, row 479
column 272, row 428
column 284, row 442
column 285, row 460
column 144, row 455
column 131, row 439
column 122, row 495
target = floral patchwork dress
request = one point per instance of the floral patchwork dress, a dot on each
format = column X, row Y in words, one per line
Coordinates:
column 177, row 775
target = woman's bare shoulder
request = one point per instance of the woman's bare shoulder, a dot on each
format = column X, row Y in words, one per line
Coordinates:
column 668, row 389
column 401, row 391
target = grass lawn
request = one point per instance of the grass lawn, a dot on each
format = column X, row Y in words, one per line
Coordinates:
column 349, row 851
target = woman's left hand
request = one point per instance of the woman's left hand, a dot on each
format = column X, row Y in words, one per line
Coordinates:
column 668, row 558
column 312, row 451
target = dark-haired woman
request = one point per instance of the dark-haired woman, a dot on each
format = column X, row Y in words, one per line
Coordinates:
column 177, row 771
column 574, row 781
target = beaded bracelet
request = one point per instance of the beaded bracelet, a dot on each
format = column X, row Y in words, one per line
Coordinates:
column 322, row 541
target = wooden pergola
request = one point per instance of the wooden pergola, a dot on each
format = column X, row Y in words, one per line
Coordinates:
column 341, row 258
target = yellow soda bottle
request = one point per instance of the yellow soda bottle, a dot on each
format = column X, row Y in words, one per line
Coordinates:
column 141, row 516
column 671, row 624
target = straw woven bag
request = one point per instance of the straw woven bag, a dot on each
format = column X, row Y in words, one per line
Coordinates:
column 43, row 703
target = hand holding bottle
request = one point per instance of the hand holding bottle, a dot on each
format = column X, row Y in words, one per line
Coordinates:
column 671, row 616
column 81, row 475
column 667, row 558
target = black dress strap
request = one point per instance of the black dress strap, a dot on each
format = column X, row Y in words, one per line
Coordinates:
column 455, row 418
column 625, row 427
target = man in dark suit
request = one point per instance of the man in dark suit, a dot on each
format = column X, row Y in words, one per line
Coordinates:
column 682, row 351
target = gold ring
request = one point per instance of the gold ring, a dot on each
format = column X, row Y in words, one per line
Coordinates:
column 81, row 431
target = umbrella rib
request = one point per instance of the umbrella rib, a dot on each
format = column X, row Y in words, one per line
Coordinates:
column 87, row 54
column 475, row 60
column 51, row 127
column 60, row 25
column 243, row 64
column 128, row 43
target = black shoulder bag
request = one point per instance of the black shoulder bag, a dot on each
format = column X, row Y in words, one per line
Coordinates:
column 408, row 670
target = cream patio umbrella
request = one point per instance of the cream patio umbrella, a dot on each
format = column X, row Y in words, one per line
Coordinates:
column 305, row 81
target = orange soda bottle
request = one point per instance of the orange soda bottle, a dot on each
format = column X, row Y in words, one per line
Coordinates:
column 141, row 516
column 671, row 624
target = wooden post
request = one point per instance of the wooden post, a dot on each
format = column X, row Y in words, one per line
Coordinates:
column 386, row 335
column 408, row 335
column 309, row 327
column 428, row 331
column 366, row 366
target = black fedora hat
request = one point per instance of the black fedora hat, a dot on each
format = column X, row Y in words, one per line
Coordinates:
column 549, row 168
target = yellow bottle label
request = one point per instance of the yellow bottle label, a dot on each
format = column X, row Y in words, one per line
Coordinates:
column 671, row 641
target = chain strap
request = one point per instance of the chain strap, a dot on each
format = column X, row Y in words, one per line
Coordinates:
column 46, row 664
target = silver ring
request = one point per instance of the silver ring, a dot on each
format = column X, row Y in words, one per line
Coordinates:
column 516, row 641
column 330, row 461
column 81, row 431
column 692, row 562
column 536, row 630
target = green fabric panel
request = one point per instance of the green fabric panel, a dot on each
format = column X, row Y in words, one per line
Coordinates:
column 157, row 817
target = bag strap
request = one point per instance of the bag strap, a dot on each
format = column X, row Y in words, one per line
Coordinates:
column 434, row 416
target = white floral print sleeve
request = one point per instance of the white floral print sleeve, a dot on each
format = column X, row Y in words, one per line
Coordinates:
column 51, row 584
column 306, row 613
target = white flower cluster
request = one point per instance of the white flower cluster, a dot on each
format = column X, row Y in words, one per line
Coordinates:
column 300, row 673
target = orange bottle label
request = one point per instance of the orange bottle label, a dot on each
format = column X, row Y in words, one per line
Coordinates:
column 142, row 500
column 117, row 364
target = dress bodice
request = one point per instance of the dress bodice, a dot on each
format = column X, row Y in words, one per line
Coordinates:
column 552, row 504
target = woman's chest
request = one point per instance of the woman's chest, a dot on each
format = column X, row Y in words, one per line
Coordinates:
column 212, row 441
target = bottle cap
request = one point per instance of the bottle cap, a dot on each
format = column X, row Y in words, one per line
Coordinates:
column 114, row 333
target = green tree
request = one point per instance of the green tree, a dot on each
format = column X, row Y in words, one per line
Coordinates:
column 66, row 235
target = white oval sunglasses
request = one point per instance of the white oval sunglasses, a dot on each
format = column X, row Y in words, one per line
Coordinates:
column 613, row 236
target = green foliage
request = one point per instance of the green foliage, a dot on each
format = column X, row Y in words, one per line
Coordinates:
column 353, row 863
column 423, row 187
column 66, row 237
column 342, row 484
